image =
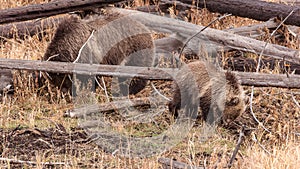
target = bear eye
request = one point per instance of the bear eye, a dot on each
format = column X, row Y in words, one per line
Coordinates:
column 233, row 101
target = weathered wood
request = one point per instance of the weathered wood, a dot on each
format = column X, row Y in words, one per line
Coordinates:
column 89, row 69
column 213, row 39
column 172, row 164
column 114, row 105
column 49, row 9
column 254, row 9
column 257, row 30
column 29, row 28
column 247, row 78
column 268, row 80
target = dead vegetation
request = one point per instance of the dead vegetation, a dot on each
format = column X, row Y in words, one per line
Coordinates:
column 33, row 132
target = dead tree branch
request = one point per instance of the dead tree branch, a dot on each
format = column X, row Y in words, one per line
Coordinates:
column 254, row 9
column 150, row 73
column 29, row 28
column 247, row 78
column 49, row 9
column 114, row 105
column 215, row 39
column 238, row 145
column 268, row 80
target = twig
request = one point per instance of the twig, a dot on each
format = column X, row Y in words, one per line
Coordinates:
column 294, row 99
column 258, row 66
column 160, row 94
column 51, row 57
column 185, row 44
column 252, row 113
column 105, row 89
column 256, row 141
column 267, row 42
column 43, row 141
column 79, row 53
column 31, row 162
column 238, row 145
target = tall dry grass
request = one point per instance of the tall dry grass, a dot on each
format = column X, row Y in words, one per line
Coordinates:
column 280, row 157
column 273, row 106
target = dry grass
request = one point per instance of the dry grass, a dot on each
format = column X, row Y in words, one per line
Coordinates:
column 274, row 107
column 281, row 157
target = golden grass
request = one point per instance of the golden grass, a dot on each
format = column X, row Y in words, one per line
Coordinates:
column 14, row 3
column 274, row 107
column 281, row 157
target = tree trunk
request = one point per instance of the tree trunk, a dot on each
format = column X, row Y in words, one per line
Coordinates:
column 49, row 9
column 247, row 78
column 89, row 69
column 212, row 39
column 29, row 28
column 269, row 80
column 254, row 9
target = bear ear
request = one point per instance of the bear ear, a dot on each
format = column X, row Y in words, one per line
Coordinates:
column 232, row 80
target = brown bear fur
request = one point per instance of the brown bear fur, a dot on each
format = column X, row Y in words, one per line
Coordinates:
column 219, row 94
column 73, row 33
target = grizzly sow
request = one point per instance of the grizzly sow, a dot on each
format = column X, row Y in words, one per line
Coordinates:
column 111, row 39
column 219, row 94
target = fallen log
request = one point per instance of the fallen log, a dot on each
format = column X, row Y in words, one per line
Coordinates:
column 110, row 106
column 150, row 73
column 217, row 38
column 257, row 30
column 254, row 9
column 211, row 39
column 29, row 28
column 268, row 80
column 247, row 78
column 49, row 9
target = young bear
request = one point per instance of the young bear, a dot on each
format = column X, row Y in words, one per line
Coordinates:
column 112, row 39
column 219, row 94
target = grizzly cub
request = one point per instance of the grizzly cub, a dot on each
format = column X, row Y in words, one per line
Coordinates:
column 219, row 94
column 111, row 39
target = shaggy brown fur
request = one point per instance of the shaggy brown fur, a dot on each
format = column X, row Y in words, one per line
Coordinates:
column 218, row 94
column 116, row 40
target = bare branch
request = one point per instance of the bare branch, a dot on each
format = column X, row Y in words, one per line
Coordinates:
column 213, row 38
column 114, row 105
column 239, row 142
